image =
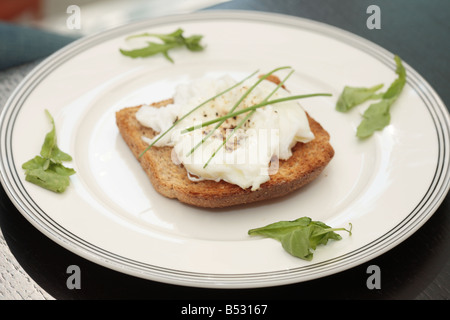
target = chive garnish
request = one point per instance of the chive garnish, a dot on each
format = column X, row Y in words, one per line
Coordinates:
column 254, row 107
column 196, row 108
column 246, row 118
column 234, row 107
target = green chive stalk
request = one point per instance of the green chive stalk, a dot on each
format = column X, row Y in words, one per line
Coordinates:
column 196, row 108
column 235, row 106
column 254, row 107
column 246, row 118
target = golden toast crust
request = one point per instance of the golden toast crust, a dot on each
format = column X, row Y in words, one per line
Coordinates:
column 306, row 163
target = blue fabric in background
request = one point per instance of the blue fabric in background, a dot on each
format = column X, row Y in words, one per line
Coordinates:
column 20, row 44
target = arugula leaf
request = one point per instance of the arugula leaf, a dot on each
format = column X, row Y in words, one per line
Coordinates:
column 54, row 178
column 353, row 96
column 377, row 116
column 193, row 43
column 169, row 41
column 47, row 170
column 301, row 236
column 49, row 149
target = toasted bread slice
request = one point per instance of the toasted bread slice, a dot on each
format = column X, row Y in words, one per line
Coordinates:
column 171, row 180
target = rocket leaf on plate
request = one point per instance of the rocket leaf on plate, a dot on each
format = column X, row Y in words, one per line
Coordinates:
column 46, row 170
column 377, row 115
column 169, row 42
column 299, row 237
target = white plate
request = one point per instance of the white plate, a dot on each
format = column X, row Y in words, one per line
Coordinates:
column 387, row 186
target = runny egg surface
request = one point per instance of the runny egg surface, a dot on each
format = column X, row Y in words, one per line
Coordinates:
column 251, row 153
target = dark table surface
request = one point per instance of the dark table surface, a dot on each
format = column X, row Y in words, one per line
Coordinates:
column 418, row 268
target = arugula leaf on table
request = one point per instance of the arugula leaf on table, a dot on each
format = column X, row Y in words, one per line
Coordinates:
column 299, row 237
column 169, row 41
column 46, row 170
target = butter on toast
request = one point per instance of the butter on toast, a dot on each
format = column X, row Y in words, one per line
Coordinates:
column 171, row 180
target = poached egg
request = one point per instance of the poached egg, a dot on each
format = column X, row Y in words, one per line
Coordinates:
column 251, row 154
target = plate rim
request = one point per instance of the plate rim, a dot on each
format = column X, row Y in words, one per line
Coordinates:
column 432, row 199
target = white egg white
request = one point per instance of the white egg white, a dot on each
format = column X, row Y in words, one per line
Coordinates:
column 251, row 154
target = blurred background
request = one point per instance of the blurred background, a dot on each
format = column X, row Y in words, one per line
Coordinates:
column 96, row 15
column 33, row 29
